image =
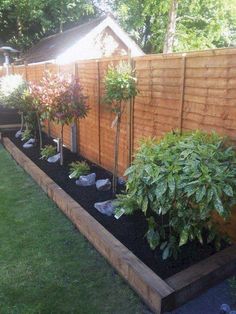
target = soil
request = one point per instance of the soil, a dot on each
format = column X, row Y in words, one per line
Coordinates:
column 129, row 230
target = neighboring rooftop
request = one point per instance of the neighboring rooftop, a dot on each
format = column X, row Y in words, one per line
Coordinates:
column 76, row 38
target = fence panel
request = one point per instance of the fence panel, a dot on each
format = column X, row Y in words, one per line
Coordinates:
column 191, row 91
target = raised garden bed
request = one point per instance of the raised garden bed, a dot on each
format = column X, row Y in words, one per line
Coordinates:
column 163, row 285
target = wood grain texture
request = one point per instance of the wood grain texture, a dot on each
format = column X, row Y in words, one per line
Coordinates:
column 201, row 95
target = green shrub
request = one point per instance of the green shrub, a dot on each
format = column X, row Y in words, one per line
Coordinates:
column 178, row 182
column 47, row 151
column 78, row 169
column 26, row 135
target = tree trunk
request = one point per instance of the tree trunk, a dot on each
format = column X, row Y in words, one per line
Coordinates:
column 171, row 28
column 40, row 132
column 116, row 153
column 61, row 146
column 22, row 121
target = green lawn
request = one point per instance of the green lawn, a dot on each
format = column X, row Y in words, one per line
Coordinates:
column 46, row 265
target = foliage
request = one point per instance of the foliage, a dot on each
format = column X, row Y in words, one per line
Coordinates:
column 26, row 135
column 200, row 24
column 78, row 169
column 178, row 183
column 24, row 22
column 120, row 86
column 60, row 98
column 47, row 151
column 12, row 89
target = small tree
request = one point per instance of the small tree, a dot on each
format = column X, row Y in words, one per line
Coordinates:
column 12, row 90
column 35, row 97
column 120, row 86
column 62, row 101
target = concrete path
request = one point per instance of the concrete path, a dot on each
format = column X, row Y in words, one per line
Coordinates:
column 209, row 302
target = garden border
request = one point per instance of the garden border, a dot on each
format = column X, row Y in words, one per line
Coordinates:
column 160, row 295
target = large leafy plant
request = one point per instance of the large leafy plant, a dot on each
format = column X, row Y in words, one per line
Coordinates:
column 61, row 100
column 178, row 183
column 120, row 87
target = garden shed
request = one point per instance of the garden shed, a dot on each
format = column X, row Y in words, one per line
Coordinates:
column 101, row 37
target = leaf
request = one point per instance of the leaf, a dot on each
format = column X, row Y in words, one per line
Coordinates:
column 166, row 253
column 183, row 237
column 210, row 194
column 129, row 170
column 201, row 192
column 228, row 190
column 163, row 245
column 145, row 204
column 171, row 183
column 153, row 238
column 161, row 189
column 218, row 205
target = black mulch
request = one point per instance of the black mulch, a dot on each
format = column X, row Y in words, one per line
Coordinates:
column 130, row 230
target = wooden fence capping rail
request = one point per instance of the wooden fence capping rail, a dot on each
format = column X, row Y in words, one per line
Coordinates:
column 160, row 295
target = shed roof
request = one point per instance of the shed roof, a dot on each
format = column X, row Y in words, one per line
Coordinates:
column 51, row 47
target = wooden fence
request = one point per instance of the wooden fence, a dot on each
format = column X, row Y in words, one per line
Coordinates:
column 179, row 91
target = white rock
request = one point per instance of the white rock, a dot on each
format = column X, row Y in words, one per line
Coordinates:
column 27, row 145
column 86, row 180
column 54, row 158
column 103, row 185
column 106, row 208
column 18, row 134
column 31, row 141
column 121, row 181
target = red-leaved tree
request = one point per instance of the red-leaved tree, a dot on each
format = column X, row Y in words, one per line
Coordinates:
column 61, row 100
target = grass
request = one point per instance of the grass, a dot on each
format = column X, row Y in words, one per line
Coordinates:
column 46, row 265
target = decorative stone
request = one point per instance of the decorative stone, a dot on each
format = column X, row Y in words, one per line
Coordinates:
column 121, row 181
column 103, row 185
column 225, row 309
column 54, row 158
column 106, row 208
column 27, row 145
column 18, row 134
column 86, row 180
column 31, row 141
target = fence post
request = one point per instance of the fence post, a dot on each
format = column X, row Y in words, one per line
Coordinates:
column 182, row 86
column 75, row 138
column 48, row 122
column 98, row 111
column 130, row 114
column 26, row 72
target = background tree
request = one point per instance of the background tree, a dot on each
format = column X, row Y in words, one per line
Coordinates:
column 27, row 21
column 199, row 24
